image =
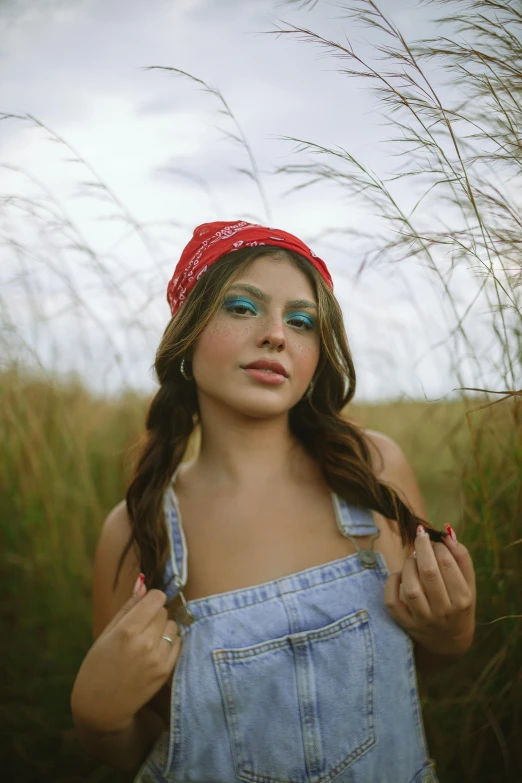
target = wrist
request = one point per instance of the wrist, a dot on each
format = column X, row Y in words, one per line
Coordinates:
column 125, row 747
column 89, row 724
column 451, row 650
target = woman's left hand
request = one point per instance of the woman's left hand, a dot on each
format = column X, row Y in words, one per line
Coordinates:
column 433, row 597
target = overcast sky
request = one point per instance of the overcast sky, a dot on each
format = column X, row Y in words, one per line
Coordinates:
column 77, row 67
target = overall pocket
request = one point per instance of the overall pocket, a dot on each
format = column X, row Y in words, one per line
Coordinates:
column 300, row 707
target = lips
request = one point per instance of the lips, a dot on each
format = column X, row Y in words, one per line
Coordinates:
column 265, row 364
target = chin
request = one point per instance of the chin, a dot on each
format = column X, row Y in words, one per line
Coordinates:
column 258, row 404
column 261, row 410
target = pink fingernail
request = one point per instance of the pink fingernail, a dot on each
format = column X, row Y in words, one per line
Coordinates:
column 421, row 531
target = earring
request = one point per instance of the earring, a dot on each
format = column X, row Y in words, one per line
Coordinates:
column 309, row 391
column 182, row 371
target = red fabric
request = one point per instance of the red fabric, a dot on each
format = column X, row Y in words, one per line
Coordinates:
column 211, row 241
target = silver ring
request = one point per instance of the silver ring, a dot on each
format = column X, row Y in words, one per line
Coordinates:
column 168, row 639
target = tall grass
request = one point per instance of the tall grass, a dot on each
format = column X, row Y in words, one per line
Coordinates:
column 68, row 457
column 68, row 453
column 461, row 158
column 463, row 154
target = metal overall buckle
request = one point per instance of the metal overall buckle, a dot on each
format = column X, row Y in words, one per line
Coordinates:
column 182, row 614
column 368, row 557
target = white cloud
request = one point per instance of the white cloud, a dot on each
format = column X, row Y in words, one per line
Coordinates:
column 78, row 67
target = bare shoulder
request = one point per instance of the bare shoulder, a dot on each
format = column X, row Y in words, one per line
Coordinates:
column 392, row 467
column 384, row 451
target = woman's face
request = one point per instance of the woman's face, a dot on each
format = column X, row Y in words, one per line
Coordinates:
column 277, row 321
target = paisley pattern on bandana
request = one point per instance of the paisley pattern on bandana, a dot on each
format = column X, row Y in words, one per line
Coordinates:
column 212, row 241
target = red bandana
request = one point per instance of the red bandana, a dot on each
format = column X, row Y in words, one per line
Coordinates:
column 211, row 241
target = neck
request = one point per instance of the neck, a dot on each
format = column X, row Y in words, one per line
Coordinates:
column 242, row 452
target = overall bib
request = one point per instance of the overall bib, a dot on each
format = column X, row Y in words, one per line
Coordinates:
column 303, row 679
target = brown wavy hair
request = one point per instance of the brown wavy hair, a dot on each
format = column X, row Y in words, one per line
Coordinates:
column 336, row 442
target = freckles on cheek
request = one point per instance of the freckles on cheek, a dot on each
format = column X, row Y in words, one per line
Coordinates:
column 220, row 344
column 306, row 358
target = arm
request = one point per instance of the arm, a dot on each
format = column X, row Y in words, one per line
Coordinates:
column 393, row 468
column 126, row 749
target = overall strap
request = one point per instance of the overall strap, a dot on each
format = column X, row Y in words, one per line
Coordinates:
column 355, row 520
column 176, row 567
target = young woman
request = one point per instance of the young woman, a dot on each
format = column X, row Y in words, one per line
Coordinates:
column 276, row 636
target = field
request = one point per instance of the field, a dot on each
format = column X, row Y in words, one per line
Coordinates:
column 446, row 201
column 66, row 460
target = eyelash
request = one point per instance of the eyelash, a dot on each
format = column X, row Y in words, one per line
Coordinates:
column 230, row 306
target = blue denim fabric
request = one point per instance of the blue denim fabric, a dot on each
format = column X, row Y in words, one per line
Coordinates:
column 303, row 679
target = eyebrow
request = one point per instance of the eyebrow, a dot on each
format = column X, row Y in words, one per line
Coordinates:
column 251, row 289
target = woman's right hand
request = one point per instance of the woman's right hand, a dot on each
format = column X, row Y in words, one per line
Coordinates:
column 127, row 665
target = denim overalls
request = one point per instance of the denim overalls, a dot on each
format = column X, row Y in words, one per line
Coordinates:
column 303, row 679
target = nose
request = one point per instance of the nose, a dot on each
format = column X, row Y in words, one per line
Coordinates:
column 272, row 332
